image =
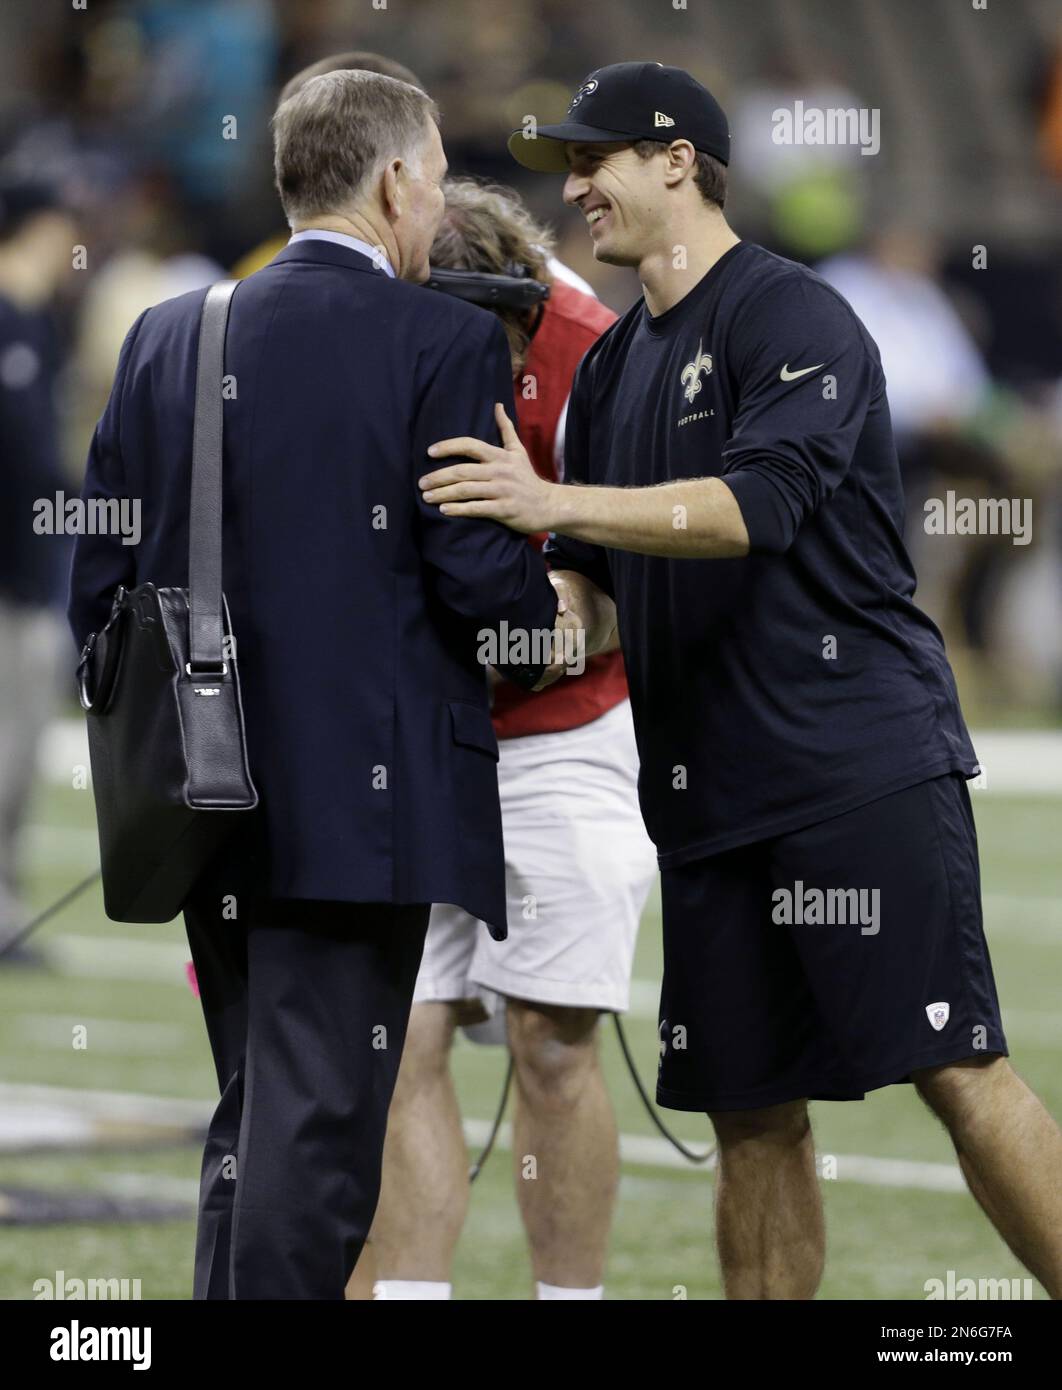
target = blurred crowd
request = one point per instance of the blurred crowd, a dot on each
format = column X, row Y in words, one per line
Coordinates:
column 148, row 123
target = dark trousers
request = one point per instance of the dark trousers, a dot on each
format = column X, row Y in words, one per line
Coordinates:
column 306, row 1007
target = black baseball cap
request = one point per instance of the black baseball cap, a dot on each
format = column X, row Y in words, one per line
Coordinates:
column 630, row 101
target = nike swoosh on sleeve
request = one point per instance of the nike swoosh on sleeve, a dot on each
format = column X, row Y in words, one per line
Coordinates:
column 787, row 375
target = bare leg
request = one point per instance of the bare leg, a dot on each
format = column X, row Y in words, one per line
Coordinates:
column 1010, row 1152
column 565, row 1147
column 424, row 1195
column 361, row 1283
column 769, row 1225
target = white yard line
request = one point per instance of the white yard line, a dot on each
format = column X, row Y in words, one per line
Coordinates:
column 1025, row 762
column 157, row 1186
column 650, row 1151
column 1025, row 906
column 122, row 1037
column 118, row 958
column 117, row 1106
column 31, row 1124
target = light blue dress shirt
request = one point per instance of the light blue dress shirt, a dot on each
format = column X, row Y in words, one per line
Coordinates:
column 376, row 254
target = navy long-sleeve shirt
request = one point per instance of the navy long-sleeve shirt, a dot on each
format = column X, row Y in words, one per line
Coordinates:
column 800, row 681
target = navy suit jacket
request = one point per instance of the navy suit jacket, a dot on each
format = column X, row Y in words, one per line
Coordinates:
column 355, row 604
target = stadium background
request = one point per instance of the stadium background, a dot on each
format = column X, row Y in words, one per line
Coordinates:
column 124, row 103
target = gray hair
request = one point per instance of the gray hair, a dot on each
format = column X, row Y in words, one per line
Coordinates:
column 333, row 134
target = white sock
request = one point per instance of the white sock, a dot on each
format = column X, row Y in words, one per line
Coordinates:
column 409, row 1288
column 555, row 1291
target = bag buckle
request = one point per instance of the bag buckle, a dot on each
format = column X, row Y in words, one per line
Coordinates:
column 83, row 672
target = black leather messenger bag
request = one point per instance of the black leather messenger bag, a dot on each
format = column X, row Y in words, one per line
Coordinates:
column 160, row 690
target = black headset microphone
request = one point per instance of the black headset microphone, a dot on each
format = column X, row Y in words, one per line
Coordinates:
column 514, row 290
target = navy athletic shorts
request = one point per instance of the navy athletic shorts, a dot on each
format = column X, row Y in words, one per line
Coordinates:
column 829, row 961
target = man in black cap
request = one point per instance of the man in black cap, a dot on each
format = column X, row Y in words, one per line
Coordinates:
column 737, row 510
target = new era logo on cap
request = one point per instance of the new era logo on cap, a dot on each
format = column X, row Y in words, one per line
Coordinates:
column 660, row 119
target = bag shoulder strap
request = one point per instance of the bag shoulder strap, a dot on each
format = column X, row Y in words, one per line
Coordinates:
column 204, row 537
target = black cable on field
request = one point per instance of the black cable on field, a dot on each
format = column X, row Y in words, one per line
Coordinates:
column 691, row 1155
column 477, row 1167
column 10, row 942
column 650, row 1108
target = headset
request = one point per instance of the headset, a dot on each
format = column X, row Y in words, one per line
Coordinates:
column 516, row 290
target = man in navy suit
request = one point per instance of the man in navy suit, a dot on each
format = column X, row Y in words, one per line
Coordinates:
column 358, row 612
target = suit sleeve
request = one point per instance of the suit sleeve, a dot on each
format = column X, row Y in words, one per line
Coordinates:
column 100, row 563
column 483, row 570
column 562, row 552
column 795, row 430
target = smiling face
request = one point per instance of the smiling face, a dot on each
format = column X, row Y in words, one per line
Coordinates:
column 620, row 195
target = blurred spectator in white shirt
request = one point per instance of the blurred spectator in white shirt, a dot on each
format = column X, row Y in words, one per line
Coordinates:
column 934, row 370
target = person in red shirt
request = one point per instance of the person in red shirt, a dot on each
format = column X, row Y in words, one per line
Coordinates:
column 579, row 869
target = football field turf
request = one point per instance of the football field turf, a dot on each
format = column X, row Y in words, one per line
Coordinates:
column 897, row 1215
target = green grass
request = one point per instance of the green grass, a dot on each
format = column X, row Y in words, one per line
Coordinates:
column 883, row 1242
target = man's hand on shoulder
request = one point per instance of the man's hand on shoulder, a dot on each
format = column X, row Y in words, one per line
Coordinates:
column 499, row 482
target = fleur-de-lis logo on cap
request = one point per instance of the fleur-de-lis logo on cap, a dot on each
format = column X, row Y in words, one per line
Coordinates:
column 584, row 91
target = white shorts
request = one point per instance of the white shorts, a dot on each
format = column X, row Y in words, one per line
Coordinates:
column 578, row 866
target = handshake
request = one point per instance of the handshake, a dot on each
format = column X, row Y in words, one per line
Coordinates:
column 585, row 625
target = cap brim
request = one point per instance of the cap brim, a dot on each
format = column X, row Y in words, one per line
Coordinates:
column 544, row 151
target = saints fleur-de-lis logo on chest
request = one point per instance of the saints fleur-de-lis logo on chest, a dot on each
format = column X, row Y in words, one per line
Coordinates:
column 693, row 371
